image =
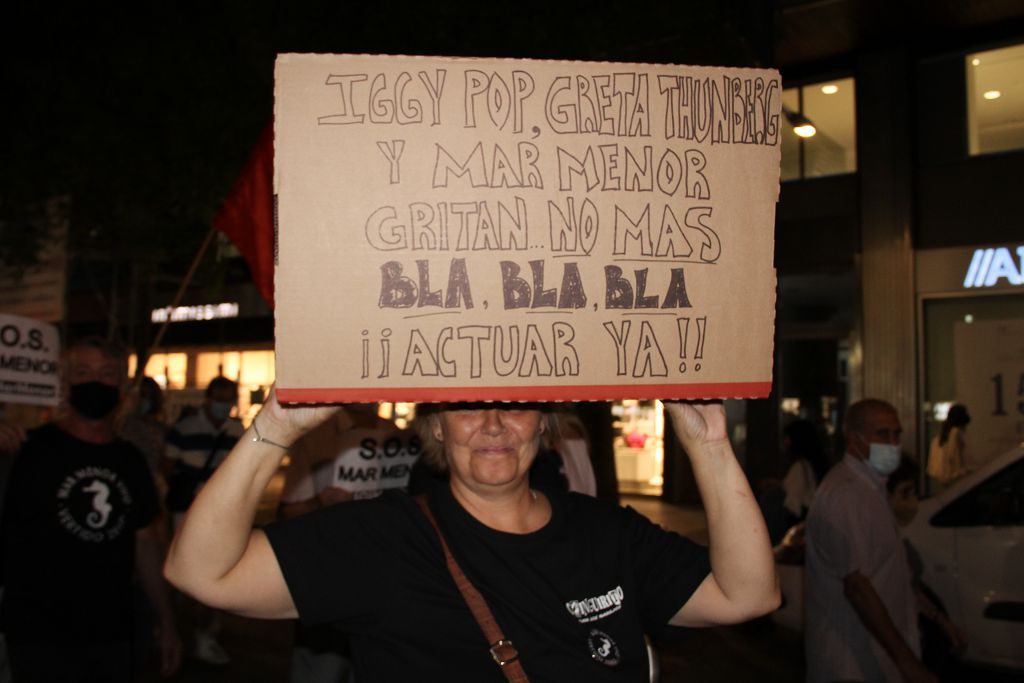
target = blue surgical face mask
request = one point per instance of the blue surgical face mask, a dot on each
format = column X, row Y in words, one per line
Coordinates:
column 884, row 458
column 220, row 410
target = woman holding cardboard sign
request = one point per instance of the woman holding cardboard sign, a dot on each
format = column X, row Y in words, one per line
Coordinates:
column 563, row 586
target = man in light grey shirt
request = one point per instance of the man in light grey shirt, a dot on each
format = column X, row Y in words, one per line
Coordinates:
column 861, row 606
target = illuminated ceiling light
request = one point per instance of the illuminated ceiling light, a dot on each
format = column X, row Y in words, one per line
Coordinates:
column 802, row 125
column 830, row 89
column 992, row 95
column 968, row 318
column 975, row 62
column 806, row 130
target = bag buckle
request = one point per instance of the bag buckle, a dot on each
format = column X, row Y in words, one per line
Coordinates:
column 504, row 652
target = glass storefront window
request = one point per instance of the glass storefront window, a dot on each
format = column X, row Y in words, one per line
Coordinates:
column 402, row 414
column 257, row 367
column 639, row 446
column 170, row 370
column 995, row 100
column 188, row 373
column 821, row 137
column 255, row 375
column 253, row 370
column 973, row 354
column 210, row 364
column 790, row 140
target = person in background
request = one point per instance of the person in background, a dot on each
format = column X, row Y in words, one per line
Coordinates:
column 808, row 465
column 12, row 435
column 356, row 438
column 946, row 462
column 902, row 488
column 143, row 426
column 940, row 638
column 141, row 423
column 786, row 497
column 196, row 446
column 861, row 620
column 573, row 444
column 80, row 517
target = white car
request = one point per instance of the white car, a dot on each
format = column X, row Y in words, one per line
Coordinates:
column 970, row 541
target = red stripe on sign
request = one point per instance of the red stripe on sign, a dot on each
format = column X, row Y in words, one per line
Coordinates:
column 606, row 392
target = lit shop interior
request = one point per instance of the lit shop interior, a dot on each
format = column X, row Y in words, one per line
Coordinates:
column 184, row 375
column 639, row 428
column 638, row 425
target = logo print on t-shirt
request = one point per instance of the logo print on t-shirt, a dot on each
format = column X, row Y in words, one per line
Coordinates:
column 93, row 504
column 100, row 507
column 603, row 649
column 597, row 607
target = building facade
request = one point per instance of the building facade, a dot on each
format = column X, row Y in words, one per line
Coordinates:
column 898, row 236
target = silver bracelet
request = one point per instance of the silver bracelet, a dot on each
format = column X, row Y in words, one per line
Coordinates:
column 259, row 438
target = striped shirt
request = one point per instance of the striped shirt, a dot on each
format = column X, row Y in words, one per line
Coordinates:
column 193, row 437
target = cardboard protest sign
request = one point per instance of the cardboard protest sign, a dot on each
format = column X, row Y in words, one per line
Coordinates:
column 29, row 361
column 484, row 229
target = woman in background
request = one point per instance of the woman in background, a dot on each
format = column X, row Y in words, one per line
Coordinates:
column 946, row 461
column 807, row 468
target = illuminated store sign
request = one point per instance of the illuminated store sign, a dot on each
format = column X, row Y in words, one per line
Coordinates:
column 988, row 266
column 192, row 313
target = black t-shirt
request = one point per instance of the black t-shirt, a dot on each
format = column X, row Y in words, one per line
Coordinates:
column 575, row 597
column 68, row 538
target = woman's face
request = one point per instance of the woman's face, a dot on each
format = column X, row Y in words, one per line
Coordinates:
column 489, row 447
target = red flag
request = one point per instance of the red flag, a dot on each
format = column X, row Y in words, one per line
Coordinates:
column 247, row 215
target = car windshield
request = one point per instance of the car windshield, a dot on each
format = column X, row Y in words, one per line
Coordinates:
column 996, row 501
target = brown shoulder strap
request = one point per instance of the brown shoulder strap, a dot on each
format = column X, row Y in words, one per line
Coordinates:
column 502, row 650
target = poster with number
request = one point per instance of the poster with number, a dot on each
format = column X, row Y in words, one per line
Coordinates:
column 501, row 229
column 990, row 382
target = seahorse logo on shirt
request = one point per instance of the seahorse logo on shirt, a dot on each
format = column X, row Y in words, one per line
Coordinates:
column 603, row 649
column 101, row 508
column 94, row 504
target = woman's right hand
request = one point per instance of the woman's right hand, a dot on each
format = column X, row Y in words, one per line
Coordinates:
column 286, row 424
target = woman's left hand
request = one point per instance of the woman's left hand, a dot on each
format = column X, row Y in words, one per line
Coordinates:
column 698, row 424
column 743, row 583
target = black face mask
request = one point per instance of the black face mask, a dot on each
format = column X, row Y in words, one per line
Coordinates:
column 94, row 400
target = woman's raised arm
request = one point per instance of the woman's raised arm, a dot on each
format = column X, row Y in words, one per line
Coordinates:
column 742, row 584
column 216, row 556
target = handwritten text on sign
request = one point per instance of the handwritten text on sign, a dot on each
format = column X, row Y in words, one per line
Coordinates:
column 523, row 224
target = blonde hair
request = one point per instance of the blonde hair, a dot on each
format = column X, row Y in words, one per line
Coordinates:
column 428, row 420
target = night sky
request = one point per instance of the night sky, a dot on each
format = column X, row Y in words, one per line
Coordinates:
column 144, row 115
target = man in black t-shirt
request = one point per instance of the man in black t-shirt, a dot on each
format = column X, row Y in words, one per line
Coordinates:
column 79, row 518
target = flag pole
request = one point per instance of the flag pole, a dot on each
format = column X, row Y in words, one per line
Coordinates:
column 140, row 367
